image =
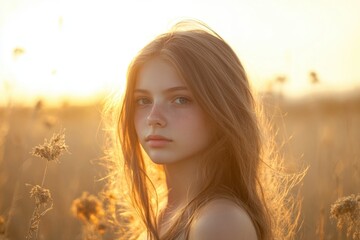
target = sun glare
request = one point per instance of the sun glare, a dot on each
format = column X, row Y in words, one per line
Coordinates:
column 77, row 49
column 56, row 51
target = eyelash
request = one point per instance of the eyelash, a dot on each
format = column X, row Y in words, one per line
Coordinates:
column 139, row 99
column 183, row 98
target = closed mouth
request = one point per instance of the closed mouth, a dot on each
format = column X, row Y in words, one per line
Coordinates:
column 157, row 138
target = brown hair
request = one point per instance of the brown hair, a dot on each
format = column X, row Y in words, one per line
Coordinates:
column 237, row 165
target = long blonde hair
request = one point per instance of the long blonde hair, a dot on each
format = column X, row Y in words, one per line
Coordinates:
column 238, row 165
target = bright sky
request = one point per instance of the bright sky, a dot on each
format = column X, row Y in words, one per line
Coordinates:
column 80, row 47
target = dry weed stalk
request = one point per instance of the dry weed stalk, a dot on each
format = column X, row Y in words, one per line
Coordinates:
column 346, row 211
column 89, row 209
column 51, row 151
column 43, row 204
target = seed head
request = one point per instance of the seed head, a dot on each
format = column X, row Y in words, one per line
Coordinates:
column 345, row 205
column 346, row 211
column 42, row 195
column 88, row 208
column 53, row 149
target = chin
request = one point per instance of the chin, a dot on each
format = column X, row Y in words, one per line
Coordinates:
column 159, row 161
column 164, row 161
column 160, row 157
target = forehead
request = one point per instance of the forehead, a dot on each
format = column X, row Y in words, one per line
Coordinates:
column 158, row 73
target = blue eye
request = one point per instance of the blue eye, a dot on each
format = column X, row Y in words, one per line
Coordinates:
column 142, row 101
column 181, row 100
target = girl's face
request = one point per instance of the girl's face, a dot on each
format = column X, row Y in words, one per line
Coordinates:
column 169, row 123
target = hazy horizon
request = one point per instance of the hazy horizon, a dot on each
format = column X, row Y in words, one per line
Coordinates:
column 75, row 49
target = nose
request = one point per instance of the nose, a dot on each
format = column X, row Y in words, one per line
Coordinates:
column 156, row 117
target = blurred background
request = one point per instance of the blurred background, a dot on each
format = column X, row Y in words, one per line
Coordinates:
column 60, row 59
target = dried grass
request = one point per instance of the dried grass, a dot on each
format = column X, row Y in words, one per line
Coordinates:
column 51, row 151
column 89, row 209
column 43, row 204
column 346, row 211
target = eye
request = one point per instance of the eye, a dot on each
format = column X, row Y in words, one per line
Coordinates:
column 181, row 100
column 141, row 101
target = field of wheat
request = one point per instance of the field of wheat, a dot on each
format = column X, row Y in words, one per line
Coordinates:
column 320, row 133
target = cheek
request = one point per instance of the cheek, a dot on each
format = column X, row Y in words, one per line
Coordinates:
column 198, row 127
column 138, row 122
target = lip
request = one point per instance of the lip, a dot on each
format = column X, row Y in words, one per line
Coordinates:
column 157, row 140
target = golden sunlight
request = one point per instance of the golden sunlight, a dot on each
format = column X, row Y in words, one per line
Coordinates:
column 78, row 49
column 57, row 51
column 61, row 59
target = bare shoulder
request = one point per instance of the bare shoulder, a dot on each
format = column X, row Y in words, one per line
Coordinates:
column 222, row 219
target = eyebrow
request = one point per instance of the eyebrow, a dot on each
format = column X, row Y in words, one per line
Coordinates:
column 169, row 90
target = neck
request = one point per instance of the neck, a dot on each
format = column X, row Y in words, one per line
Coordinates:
column 182, row 179
column 182, row 182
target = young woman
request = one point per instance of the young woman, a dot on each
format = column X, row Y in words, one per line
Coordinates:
column 191, row 147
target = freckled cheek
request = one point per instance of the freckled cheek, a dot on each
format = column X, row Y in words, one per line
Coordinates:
column 139, row 121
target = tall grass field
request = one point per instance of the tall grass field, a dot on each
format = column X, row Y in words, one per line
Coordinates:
column 318, row 133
